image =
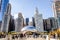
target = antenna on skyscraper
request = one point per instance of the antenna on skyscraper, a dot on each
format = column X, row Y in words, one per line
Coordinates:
column 37, row 10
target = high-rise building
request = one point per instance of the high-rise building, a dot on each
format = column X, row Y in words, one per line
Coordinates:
column 38, row 21
column 0, row 4
column 56, row 8
column 19, row 23
column 33, row 21
column 50, row 24
column 23, row 23
column 0, row 25
column 3, row 6
column 47, row 24
column 53, row 23
column 27, row 21
column 11, row 26
column 6, row 19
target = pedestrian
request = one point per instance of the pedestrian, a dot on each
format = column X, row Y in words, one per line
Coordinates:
column 21, row 35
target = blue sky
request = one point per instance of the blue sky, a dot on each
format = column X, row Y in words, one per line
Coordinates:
column 27, row 7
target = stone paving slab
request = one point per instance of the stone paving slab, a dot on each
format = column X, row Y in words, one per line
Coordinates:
column 24, row 39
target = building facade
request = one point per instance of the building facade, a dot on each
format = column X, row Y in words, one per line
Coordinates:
column 19, row 23
column 33, row 21
column 50, row 24
column 3, row 5
column 56, row 8
column 6, row 19
column 0, row 25
column 53, row 22
column 11, row 26
column 38, row 21
column 27, row 21
column 47, row 24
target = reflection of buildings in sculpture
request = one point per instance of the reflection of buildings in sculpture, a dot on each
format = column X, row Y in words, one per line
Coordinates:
column 6, row 19
column 56, row 9
column 38, row 21
column 19, row 23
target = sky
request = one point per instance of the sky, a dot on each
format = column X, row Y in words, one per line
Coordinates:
column 28, row 7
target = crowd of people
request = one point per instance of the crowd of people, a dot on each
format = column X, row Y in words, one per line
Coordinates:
column 2, row 35
column 35, row 35
column 16, row 36
column 13, row 36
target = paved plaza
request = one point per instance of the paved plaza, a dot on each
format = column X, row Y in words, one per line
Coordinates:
column 24, row 39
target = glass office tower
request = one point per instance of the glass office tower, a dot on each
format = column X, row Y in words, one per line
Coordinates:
column 3, row 5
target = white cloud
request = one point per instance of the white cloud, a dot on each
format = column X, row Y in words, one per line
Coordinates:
column 15, row 16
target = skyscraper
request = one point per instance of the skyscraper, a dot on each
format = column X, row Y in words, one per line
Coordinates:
column 0, row 4
column 19, row 23
column 45, row 24
column 0, row 25
column 3, row 5
column 33, row 21
column 11, row 26
column 38, row 21
column 6, row 19
column 27, row 21
column 53, row 23
column 56, row 8
column 48, row 25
